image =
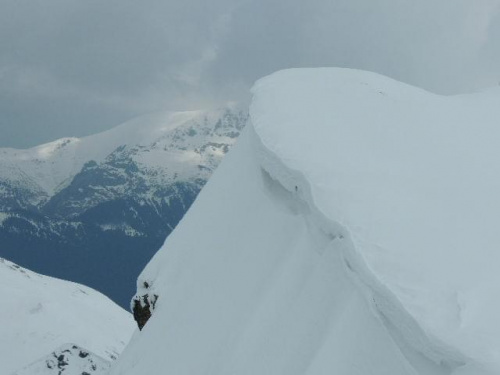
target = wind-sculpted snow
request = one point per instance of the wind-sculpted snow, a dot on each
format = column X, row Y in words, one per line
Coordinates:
column 351, row 231
column 413, row 178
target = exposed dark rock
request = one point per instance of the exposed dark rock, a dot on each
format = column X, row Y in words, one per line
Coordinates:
column 142, row 308
column 69, row 359
column 61, row 360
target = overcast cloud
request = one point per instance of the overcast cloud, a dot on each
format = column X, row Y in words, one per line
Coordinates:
column 71, row 68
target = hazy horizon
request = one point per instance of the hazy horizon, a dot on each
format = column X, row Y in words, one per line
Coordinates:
column 70, row 68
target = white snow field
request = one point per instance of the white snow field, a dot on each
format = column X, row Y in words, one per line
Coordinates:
column 69, row 359
column 40, row 315
column 353, row 230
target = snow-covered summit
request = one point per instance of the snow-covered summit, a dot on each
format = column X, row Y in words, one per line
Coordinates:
column 40, row 314
column 352, row 230
column 51, row 166
column 413, row 179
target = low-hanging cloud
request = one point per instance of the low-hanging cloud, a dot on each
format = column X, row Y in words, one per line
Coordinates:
column 71, row 67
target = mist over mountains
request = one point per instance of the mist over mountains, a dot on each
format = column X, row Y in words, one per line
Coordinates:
column 72, row 68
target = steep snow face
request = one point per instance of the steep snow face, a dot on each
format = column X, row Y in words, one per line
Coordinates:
column 413, row 178
column 350, row 231
column 248, row 284
column 40, row 314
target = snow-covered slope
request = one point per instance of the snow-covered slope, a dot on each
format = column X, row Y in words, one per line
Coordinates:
column 40, row 314
column 69, row 359
column 352, row 230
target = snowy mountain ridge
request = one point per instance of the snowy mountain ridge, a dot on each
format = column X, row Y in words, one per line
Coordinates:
column 185, row 139
column 351, row 230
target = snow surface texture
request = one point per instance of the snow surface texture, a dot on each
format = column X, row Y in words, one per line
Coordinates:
column 40, row 314
column 68, row 360
column 352, row 230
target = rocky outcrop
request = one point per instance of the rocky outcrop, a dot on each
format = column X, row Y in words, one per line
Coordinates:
column 143, row 306
column 70, row 359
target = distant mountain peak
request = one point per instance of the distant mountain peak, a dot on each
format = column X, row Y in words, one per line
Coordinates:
column 51, row 165
column 109, row 200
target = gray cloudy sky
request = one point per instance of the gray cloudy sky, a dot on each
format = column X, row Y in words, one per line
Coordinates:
column 74, row 67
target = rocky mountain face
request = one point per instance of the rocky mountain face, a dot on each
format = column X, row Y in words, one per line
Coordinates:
column 107, row 202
